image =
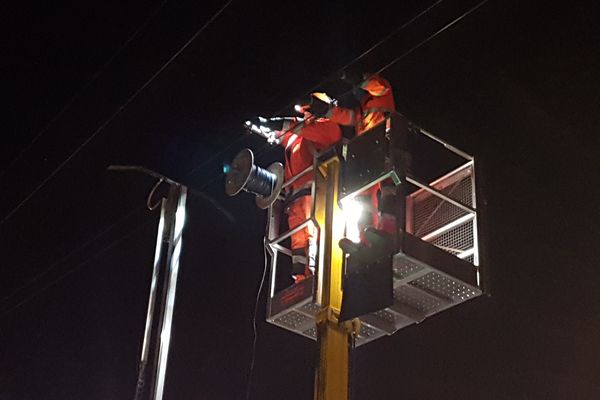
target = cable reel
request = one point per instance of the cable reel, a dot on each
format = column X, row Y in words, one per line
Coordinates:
column 243, row 174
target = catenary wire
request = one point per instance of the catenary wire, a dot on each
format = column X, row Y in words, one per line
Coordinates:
column 75, row 268
column 268, row 147
column 115, row 114
column 87, row 84
column 429, row 38
column 210, row 182
column 322, row 81
column 67, row 256
column 120, row 221
column 45, row 272
column 350, row 63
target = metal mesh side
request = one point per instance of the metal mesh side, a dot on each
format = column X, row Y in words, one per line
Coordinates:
column 457, row 239
column 431, row 212
column 445, row 287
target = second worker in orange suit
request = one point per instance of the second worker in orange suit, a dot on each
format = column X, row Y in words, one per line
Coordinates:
column 301, row 140
column 375, row 103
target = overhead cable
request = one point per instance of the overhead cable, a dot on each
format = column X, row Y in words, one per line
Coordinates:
column 114, row 114
column 87, row 84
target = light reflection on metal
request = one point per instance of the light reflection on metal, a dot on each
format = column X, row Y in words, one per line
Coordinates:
column 173, row 270
column 153, row 285
column 352, row 210
column 441, row 195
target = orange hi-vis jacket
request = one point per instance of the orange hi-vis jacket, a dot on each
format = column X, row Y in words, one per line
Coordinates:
column 373, row 108
column 303, row 140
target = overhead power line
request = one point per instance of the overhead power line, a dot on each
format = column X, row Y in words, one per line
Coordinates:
column 87, row 84
column 319, row 84
column 100, row 252
column 114, row 114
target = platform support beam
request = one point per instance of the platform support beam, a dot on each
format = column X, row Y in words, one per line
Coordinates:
column 335, row 340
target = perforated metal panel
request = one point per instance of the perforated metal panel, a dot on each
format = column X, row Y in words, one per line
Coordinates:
column 445, row 287
column 311, row 333
column 292, row 320
column 405, row 268
column 310, row 308
column 418, row 299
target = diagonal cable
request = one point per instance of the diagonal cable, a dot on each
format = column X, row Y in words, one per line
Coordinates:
column 75, row 268
column 429, row 38
column 321, row 82
column 114, row 114
column 87, row 84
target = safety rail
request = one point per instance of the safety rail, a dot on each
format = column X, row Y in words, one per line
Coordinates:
column 436, row 265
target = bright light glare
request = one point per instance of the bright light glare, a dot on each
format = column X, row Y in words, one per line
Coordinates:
column 352, row 210
column 298, row 108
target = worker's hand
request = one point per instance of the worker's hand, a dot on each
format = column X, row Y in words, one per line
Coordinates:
column 266, row 128
column 320, row 104
column 273, row 137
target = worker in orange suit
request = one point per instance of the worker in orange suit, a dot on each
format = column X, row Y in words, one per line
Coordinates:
column 375, row 103
column 302, row 139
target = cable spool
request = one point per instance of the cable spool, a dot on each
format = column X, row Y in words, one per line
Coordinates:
column 243, row 174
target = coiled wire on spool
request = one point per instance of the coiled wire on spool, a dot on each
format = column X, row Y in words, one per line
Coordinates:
column 260, row 181
column 242, row 174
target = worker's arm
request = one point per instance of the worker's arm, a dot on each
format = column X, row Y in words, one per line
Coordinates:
column 321, row 131
column 342, row 116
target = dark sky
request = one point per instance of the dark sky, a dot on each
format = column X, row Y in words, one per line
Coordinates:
column 514, row 84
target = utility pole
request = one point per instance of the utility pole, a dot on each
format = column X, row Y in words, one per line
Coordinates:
column 152, row 367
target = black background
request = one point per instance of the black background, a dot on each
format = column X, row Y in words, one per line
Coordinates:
column 514, row 83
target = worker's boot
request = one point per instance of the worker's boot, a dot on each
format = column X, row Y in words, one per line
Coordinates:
column 348, row 246
column 302, row 276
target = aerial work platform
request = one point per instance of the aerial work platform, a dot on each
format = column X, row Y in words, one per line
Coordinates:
column 434, row 262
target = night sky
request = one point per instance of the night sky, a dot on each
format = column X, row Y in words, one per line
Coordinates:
column 517, row 85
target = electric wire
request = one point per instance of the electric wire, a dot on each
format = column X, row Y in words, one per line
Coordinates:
column 321, row 82
column 87, row 84
column 268, row 147
column 443, row 29
column 354, row 60
column 447, row 26
column 43, row 273
column 62, row 260
column 75, row 268
column 116, row 113
column 380, row 42
column 254, row 330
column 115, row 242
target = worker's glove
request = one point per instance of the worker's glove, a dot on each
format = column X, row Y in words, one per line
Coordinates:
column 320, row 104
column 269, row 128
column 359, row 93
column 273, row 137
